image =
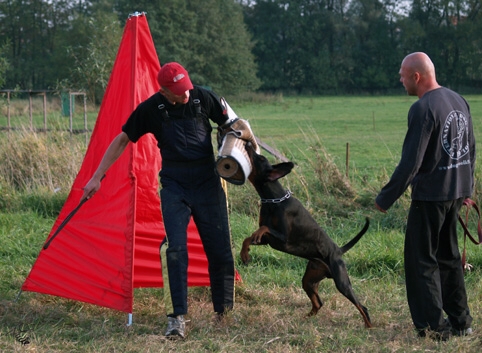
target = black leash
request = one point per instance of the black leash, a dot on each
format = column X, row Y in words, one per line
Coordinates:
column 62, row 225
column 66, row 220
column 469, row 204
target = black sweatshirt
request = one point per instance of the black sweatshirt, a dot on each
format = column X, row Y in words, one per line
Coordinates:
column 438, row 154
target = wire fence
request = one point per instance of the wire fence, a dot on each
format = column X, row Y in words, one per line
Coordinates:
column 44, row 110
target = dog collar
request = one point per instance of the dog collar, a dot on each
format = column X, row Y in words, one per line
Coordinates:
column 281, row 199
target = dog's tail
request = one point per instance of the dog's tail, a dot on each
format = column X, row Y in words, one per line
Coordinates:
column 355, row 240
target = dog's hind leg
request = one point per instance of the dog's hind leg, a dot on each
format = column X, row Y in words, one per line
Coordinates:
column 343, row 284
column 315, row 272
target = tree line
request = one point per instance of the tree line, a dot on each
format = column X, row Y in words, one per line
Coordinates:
column 233, row 46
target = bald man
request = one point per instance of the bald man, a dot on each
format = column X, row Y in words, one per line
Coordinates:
column 438, row 160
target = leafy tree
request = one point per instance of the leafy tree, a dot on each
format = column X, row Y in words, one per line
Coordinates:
column 208, row 38
column 4, row 64
column 301, row 45
column 304, row 46
column 445, row 30
column 375, row 55
column 350, row 46
column 31, row 26
column 40, row 32
column 264, row 20
column 470, row 40
column 93, row 59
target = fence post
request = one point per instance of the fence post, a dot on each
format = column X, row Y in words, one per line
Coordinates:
column 8, row 110
column 71, row 108
column 347, row 158
column 85, row 112
column 30, row 109
column 45, row 110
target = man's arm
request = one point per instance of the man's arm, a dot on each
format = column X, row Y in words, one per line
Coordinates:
column 115, row 149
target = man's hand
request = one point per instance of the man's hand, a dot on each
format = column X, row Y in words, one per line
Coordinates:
column 91, row 188
column 242, row 130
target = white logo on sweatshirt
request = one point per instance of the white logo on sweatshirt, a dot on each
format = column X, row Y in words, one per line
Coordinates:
column 455, row 140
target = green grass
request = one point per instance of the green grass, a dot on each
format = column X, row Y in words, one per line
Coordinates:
column 270, row 303
column 374, row 127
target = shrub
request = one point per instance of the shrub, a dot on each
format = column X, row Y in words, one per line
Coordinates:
column 38, row 169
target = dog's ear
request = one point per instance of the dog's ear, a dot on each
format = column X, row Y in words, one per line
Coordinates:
column 280, row 170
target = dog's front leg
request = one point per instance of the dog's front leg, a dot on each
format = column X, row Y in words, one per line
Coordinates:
column 257, row 236
column 245, row 250
column 255, row 239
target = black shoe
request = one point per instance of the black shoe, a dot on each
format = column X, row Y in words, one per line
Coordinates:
column 442, row 335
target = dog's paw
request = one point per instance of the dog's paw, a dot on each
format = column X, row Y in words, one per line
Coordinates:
column 256, row 239
column 245, row 256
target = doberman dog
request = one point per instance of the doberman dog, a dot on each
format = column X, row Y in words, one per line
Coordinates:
column 287, row 226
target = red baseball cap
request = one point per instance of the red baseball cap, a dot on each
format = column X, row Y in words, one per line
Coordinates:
column 175, row 78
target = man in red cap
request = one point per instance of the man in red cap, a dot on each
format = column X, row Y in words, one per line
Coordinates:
column 178, row 116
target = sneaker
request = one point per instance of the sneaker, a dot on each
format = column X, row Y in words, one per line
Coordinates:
column 176, row 327
column 463, row 332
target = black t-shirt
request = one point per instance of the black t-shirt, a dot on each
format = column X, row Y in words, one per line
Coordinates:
column 183, row 131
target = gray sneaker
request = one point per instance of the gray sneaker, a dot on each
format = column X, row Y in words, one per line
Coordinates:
column 176, row 327
column 464, row 332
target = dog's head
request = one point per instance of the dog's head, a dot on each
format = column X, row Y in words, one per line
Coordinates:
column 262, row 170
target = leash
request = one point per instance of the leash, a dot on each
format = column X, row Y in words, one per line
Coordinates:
column 271, row 150
column 66, row 220
column 281, row 199
column 469, row 204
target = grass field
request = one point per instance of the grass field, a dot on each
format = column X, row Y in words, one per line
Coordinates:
column 271, row 306
column 373, row 126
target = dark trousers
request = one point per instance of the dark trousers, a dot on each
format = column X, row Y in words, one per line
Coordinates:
column 195, row 191
column 433, row 267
